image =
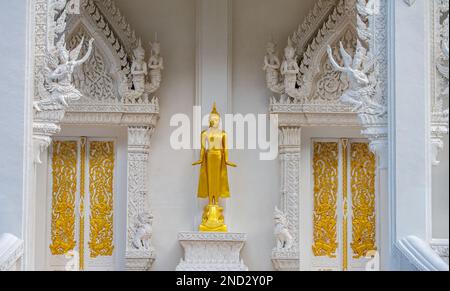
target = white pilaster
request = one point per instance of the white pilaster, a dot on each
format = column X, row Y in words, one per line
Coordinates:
column 412, row 119
column 140, row 254
column 213, row 64
column 214, row 54
column 290, row 158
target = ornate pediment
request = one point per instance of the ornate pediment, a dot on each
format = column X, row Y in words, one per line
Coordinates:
column 306, row 82
column 111, row 88
column 313, row 22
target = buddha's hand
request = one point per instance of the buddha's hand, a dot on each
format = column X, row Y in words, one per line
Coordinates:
column 197, row 163
column 230, row 164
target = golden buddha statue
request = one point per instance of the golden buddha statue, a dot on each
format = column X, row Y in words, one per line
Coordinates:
column 213, row 182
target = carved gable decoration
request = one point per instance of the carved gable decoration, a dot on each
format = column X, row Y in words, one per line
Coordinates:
column 113, row 92
column 306, row 82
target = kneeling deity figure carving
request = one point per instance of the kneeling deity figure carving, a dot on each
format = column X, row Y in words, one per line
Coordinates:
column 213, row 183
column 55, row 86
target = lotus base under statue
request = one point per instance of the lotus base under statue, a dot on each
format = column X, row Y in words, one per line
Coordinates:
column 213, row 220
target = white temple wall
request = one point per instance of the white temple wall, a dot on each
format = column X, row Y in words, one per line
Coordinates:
column 173, row 182
column 13, row 56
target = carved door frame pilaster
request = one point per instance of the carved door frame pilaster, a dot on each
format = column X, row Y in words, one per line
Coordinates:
column 290, row 160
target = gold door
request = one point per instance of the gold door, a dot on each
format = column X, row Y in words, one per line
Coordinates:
column 344, row 207
column 81, row 219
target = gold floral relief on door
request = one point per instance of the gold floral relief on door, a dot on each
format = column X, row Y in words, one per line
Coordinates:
column 326, row 184
column 363, row 165
column 64, row 190
column 75, row 165
column 101, row 175
column 345, row 171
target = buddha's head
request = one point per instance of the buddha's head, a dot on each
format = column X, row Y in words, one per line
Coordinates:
column 214, row 118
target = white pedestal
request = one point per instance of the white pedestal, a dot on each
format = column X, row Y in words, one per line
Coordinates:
column 212, row 251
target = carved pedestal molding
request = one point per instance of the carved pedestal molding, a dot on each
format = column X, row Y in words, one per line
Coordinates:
column 140, row 253
column 439, row 76
column 11, row 253
column 441, row 247
column 212, row 251
column 285, row 255
column 421, row 255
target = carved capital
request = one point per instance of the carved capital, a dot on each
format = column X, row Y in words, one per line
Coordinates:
column 40, row 145
column 46, row 124
column 377, row 134
column 290, row 137
column 139, row 138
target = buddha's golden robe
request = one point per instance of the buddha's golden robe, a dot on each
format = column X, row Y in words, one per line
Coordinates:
column 213, row 181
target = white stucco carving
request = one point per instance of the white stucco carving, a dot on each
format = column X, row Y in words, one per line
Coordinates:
column 333, row 74
column 212, row 251
column 440, row 77
column 54, row 66
column 285, row 255
column 139, row 249
column 56, row 88
column 11, row 253
column 364, row 72
column 441, row 247
column 143, row 235
column 96, row 90
column 284, row 237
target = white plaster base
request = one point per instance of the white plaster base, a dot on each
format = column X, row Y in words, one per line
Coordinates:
column 285, row 261
column 139, row 260
column 212, row 251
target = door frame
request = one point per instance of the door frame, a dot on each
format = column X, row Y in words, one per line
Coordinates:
column 119, row 136
column 306, row 199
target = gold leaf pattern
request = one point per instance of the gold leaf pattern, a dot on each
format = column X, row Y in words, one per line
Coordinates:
column 64, row 191
column 326, row 184
column 101, row 175
column 363, row 165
